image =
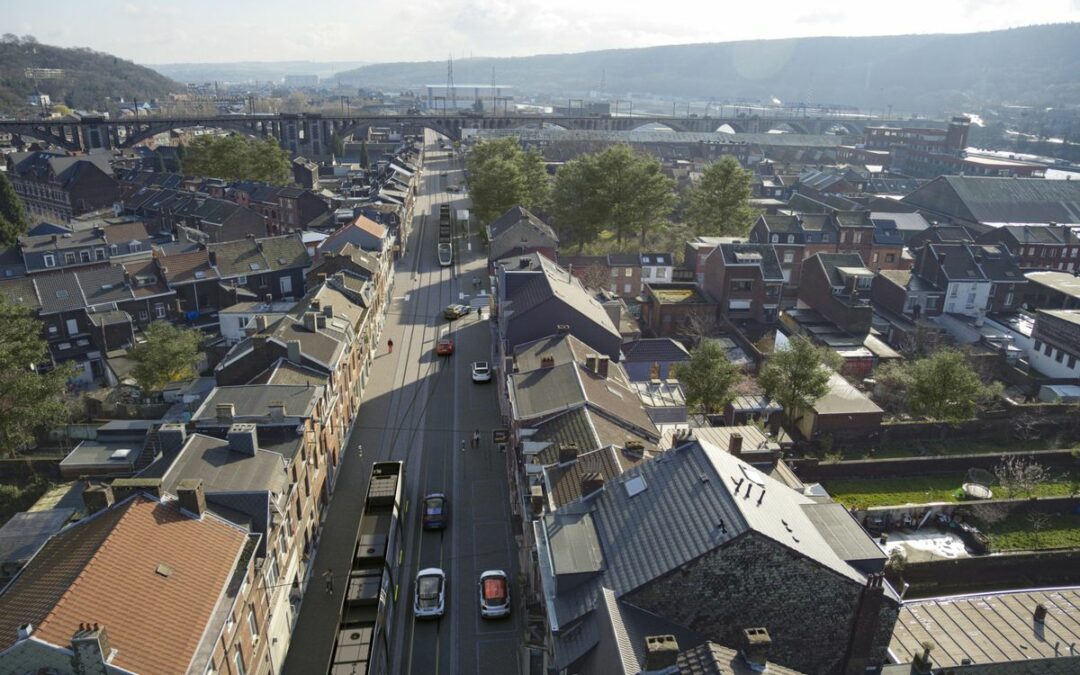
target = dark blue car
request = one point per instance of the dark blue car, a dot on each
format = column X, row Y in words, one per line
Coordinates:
column 435, row 511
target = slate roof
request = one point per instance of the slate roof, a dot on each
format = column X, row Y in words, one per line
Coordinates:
column 519, row 215
column 782, row 223
column 563, row 348
column 649, row 350
column 997, row 264
column 21, row 291
column 671, row 517
column 1000, row 200
column 1062, row 282
column 904, row 222
column 711, row 658
column 657, row 259
column 183, row 268
column 573, row 426
column 769, row 265
column 59, row 293
column 11, row 263
column 564, row 481
column 831, row 262
column 624, row 259
column 1041, row 234
column 541, row 392
column 559, row 283
column 103, row 569
column 256, row 256
column 957, row 262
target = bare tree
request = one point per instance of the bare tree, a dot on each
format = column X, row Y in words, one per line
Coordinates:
column 1037, row 522
column 925, row 339
column 700, row 324
column 595, row 277
column 1019, row 475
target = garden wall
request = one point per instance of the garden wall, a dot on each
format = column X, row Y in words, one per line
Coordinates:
column 813, row 470
column 1033, row 569
column 896, row 513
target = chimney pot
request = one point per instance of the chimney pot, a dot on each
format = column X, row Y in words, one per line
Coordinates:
column 568, row 452
column 547, row 361
column 243, row 438
column 755, row 647
column 735, row 444
column 661, row 652
column 603, row 363
column 311, row 322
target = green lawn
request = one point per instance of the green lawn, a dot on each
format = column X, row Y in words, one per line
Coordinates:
column 1015, row 533
column 861, row 494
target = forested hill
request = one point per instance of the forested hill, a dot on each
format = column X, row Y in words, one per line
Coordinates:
column 86, row 80
column 918, row 73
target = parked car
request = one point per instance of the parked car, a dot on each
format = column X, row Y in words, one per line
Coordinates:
column 430, row 601
column 494, row 594
column 453, row 188
column 456, row 311
column 481, row 371
column 435, row 511
column 444, row 347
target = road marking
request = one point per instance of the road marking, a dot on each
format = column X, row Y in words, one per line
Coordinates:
column 403, row 297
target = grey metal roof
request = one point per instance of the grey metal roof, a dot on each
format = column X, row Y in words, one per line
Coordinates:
column 223, row 470
column 544, row 391
column 102, row 454
column 524, row 225
column 1000, row 200
column 558, row 283
column 575, row 547
column 104, row 285
column 844, row 535
column 768, row 264
column 694, row 499
column 24, row 533
column 957, row 262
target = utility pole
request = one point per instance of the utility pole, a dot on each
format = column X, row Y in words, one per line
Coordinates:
column 450, row 82
column 493, row 91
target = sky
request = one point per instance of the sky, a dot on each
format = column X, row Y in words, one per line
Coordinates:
column 417, row 30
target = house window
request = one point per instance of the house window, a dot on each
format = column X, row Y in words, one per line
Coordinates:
column 286, row 285
column 1060, row 356
column 772, row 291
column 661, row 273
column 789, row 257
column 856, row 237
column 740, row 285
column 99, row 253
column 1072, row 362
column 49, row 260
column 159, row 310
column 971, row 299
column 1038, row 345
column 890, row 257
column 114, row 249
column 791, row 239
column 626, row 288
column 252, row 625
column 826, row 238
column 143, row 316
column 614, row 272
column 1047, row 349
column 69, row 258
column 72, row 327
column 230, row 624
column 1008, row 298
column 629, row 272
column 931, row 302
column 875, row 258
column 241, row 280
column 776, row 238
column 272, row 571
column 646, row 273
column 134, row 247
column 84, row 256
column 238, row 659
column 954, row 291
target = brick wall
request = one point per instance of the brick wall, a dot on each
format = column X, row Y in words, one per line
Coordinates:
column 808, row 609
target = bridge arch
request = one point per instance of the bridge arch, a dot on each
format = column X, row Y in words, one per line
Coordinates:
column 44, row 134
column 151, row 130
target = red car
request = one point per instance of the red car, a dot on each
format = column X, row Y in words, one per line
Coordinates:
column 444, row 347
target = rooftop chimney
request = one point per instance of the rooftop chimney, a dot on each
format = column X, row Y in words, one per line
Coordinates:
column 225, row 411
column 735, row 444
column 562, row 328
column 567, row 452
column 171, row 437
column 260, row 322
column 90, row 649
column 125, row 487
column 192, row 498
column 547, row 361
column 293, row 347
column 1040, row 613
column 602, row 365
column 590, row 362
column 315, row 305
column 591, row 482
column 243, row 439
column 755, row 647
column 634, row 448
column 536, row 500
column 311, row 322
column 328, row 311
column 98, row 498
column 661, row 652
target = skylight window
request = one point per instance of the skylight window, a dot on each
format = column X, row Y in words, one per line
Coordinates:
column 635, row 486
column 254, row 267
column 61, row 295
column 199, row 274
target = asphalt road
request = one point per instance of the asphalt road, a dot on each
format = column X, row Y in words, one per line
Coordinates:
column 419, row 408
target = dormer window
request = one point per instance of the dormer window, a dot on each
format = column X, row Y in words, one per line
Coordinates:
column 776, row 238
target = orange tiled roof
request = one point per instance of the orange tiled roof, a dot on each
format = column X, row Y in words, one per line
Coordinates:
column 105, row 570
column 181, row 267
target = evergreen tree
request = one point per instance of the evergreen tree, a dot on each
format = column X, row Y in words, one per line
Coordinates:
column 719, row 204
column 13, row 220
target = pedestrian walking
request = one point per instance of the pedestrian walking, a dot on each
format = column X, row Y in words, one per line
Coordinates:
column 390, row 346
column 476, row 438
column 463, row 445
column 328, row 575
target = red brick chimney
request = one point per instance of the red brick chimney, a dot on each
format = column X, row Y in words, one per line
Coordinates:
column 735, row 444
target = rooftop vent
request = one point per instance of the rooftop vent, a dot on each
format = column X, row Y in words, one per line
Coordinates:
column 122, row 453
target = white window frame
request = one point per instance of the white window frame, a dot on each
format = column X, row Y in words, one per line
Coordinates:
column 49, row 260
column 159, row 310
column 238, row 662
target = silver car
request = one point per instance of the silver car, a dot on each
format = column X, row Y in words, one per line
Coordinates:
column 430, row 599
